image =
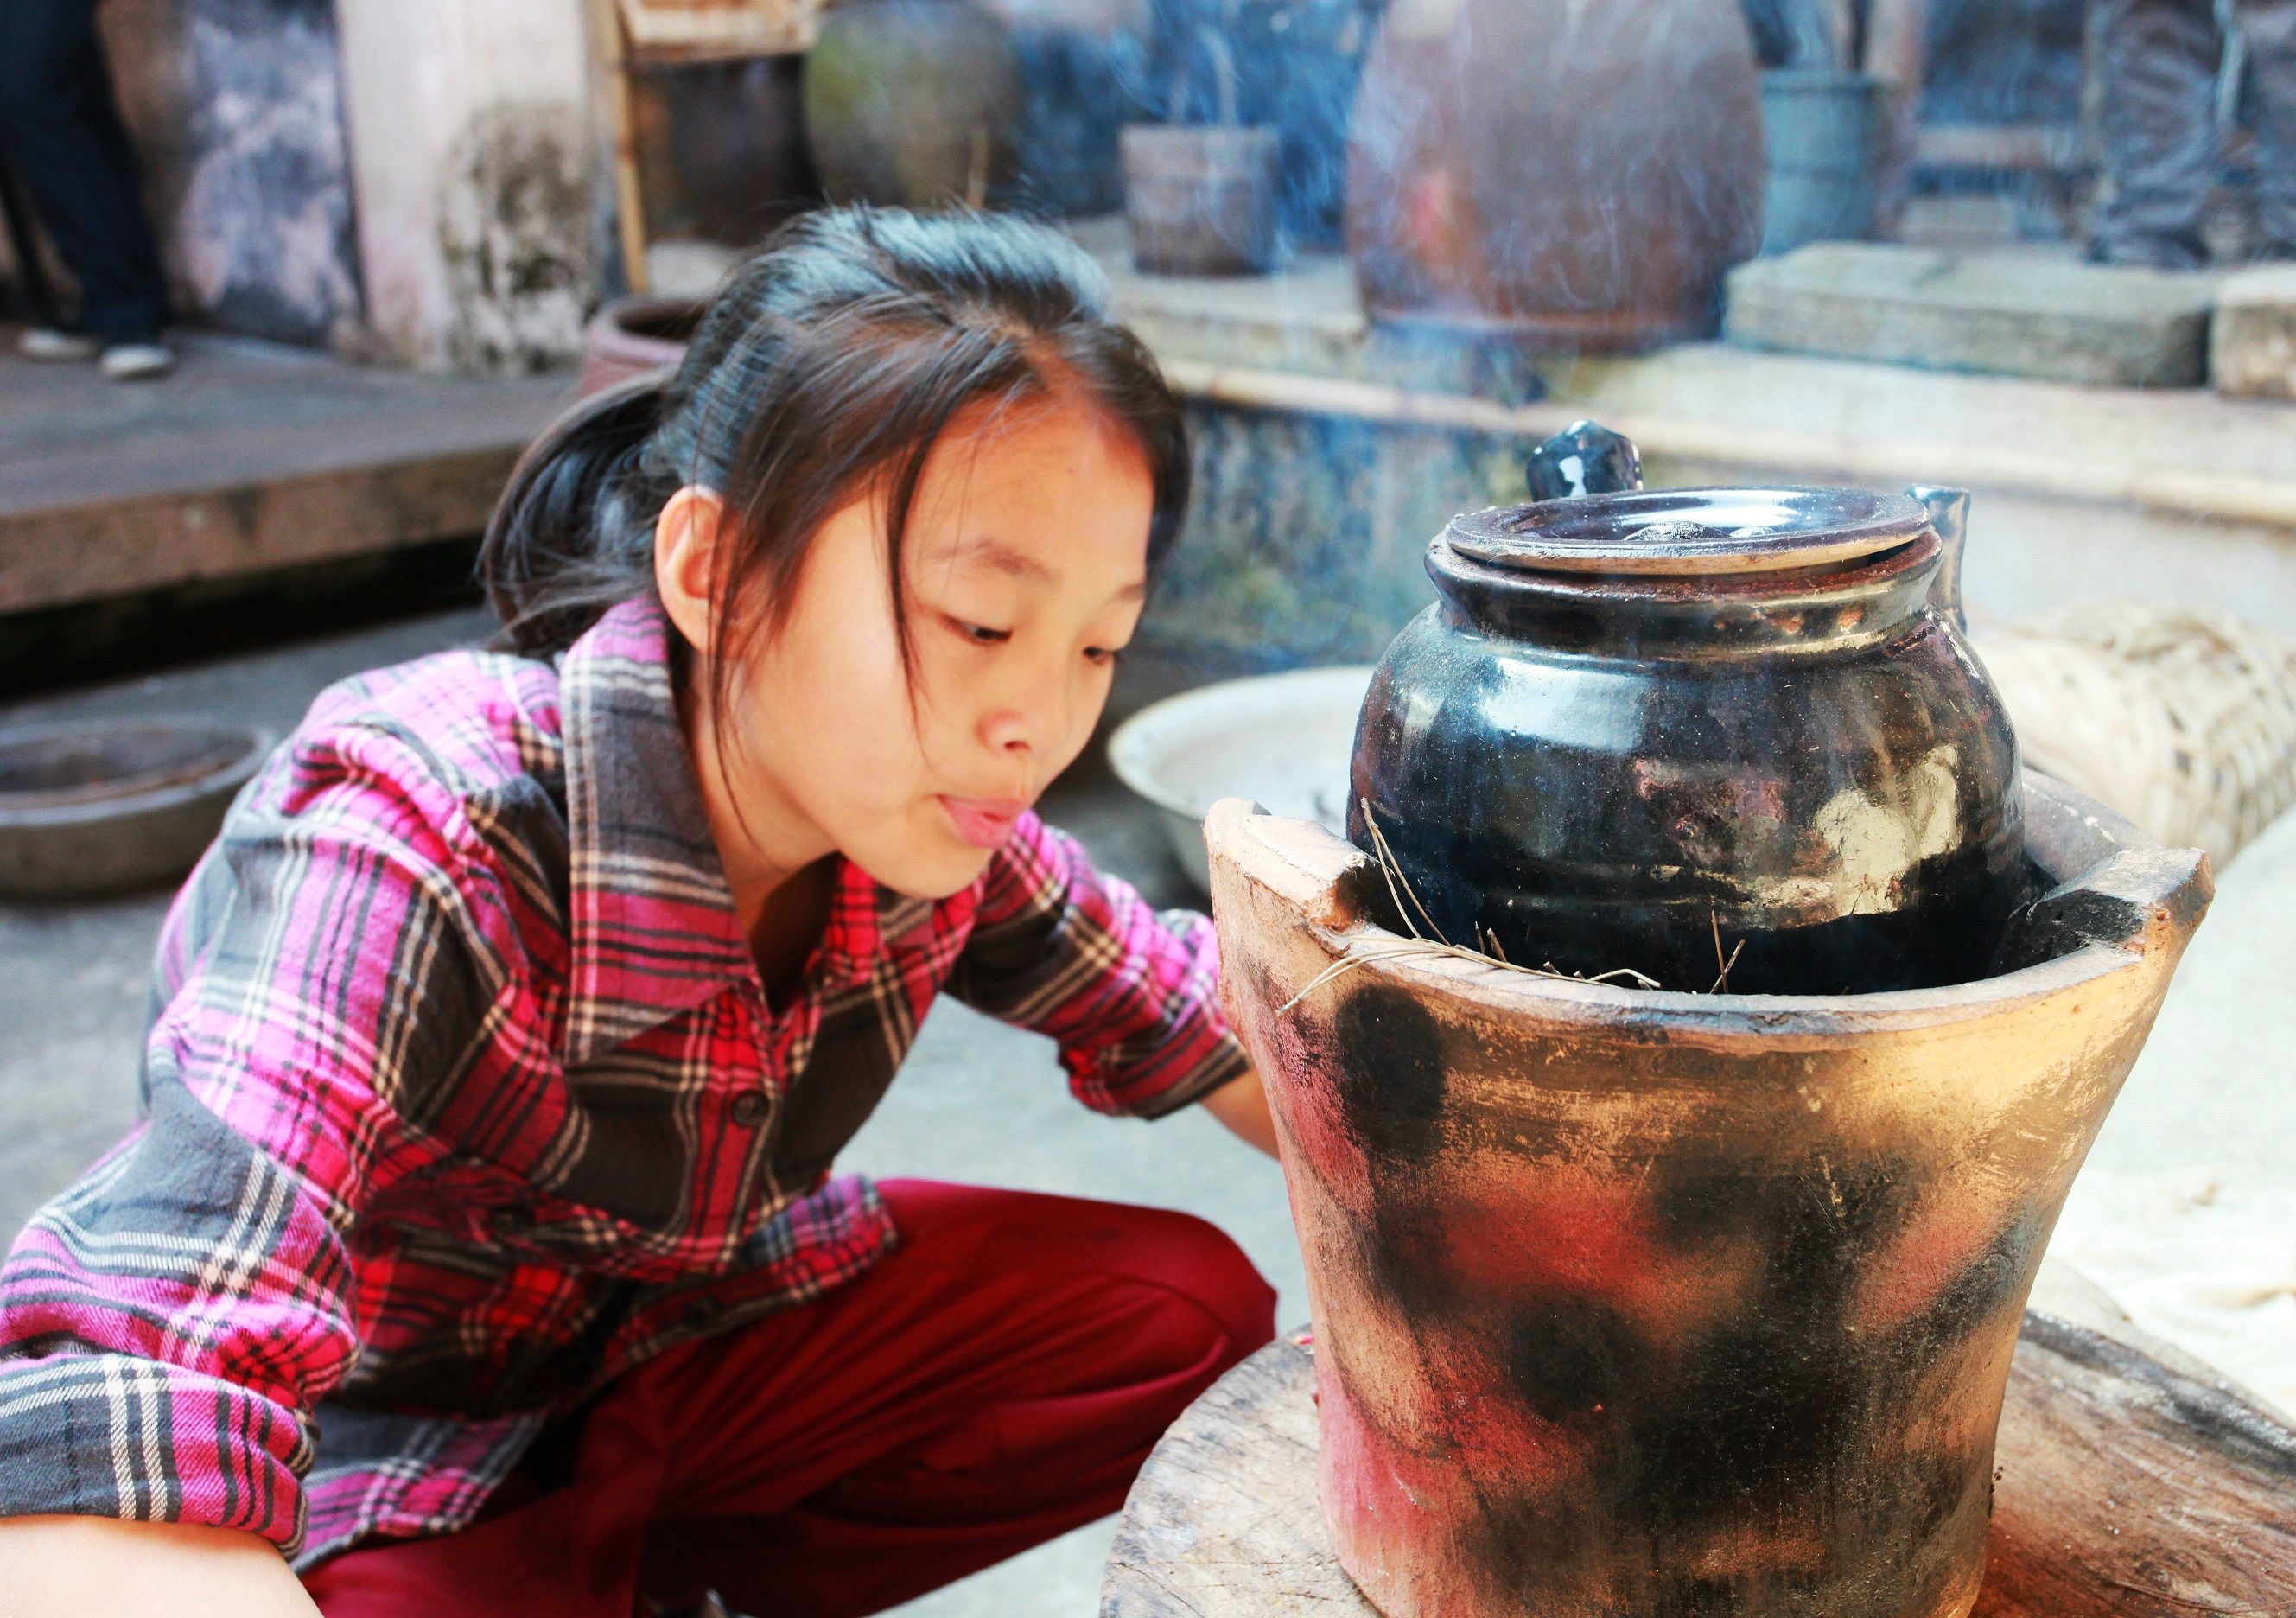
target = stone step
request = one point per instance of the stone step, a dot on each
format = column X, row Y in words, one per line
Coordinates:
column 2004, row 312
column 2253, row 343
column 250, row 458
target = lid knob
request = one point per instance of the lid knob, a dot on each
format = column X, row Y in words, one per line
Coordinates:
column 1585, row 459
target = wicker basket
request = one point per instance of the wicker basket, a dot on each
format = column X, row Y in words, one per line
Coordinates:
column 2186, row 722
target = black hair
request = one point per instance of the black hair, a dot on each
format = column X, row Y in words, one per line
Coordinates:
column 832, row 358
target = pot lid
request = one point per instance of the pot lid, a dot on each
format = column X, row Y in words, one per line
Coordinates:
column 1690, row 531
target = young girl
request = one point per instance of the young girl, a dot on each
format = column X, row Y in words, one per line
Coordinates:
column 479, row 1250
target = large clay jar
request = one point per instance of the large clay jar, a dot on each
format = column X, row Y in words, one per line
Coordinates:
column 1581, row 175
column 1656, row 731
column 1641, row 1304
column 913, row 103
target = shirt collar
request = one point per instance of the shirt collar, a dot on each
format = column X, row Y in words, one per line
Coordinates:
column 867, row 922
column 654, row 929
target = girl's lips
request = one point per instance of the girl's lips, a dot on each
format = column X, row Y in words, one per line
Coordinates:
column 984, row 822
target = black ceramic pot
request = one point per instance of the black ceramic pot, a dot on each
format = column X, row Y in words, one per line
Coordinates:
column 1636, row 721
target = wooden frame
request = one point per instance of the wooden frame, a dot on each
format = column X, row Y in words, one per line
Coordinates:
column 631, row 35
column 682, row 28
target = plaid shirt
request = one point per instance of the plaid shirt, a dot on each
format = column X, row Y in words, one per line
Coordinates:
column 462, row 1096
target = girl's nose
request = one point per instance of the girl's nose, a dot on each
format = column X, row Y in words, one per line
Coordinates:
column 1033, row 726
column 1009, row 732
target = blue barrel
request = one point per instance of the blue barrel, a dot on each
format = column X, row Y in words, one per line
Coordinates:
column 1824, row 130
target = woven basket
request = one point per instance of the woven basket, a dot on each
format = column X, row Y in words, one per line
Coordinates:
column 2186, row 722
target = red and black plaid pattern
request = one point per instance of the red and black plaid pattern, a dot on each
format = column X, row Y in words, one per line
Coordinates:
column 464, row 1096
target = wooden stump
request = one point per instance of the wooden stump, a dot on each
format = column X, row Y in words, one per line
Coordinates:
column 2126, row 1489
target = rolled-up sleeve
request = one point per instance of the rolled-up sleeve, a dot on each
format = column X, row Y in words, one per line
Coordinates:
column 169, row 1323
column 1130, row 993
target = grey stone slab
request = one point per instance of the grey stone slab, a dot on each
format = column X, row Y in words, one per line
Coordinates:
column 2016, row 314
column 249, row 457
column 73, row 979
column 2253, row 340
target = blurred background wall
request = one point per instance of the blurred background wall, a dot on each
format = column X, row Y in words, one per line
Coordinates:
column 237, row 108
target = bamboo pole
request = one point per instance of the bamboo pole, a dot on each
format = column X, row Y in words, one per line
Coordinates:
column 629, row 193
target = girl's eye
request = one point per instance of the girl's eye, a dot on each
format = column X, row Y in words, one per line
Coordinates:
column 980, row 634
column 1102, row 655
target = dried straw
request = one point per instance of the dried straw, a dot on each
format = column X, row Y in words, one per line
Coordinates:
column 1406, row 901
column 1722, row 983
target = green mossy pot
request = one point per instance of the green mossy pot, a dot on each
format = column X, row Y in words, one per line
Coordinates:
column 913, row 103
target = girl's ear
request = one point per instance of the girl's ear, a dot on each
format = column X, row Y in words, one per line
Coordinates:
column 684, row 563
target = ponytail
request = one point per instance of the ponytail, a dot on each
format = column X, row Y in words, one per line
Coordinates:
column 573, row 532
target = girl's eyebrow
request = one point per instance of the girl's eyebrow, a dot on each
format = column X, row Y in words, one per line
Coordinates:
column 993, row 553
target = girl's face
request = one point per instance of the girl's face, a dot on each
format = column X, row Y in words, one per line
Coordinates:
column 1025, row 572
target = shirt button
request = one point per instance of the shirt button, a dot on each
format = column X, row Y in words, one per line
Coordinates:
column 511, row 1221
column 750, row 1108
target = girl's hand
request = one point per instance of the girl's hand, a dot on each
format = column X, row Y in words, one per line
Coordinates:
column 142, row 1570
column 1241, row 1104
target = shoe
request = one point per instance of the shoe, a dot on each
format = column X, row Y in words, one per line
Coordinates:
column 136, row 362
column 55, row 347
column 2151, row 250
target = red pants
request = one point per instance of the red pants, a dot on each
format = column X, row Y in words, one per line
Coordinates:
column 994, row 1381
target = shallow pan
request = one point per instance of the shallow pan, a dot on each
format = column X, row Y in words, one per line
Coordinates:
column 1281, row 740
column 114, row 805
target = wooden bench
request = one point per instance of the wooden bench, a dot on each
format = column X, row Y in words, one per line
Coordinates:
column 2125, row 1487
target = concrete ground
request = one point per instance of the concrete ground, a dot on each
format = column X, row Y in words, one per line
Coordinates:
column 978, row 1101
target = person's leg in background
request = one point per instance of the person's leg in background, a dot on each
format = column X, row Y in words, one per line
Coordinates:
column 2158, row 62
column 62, row 129
column 2270, row 28
column 996, row 1381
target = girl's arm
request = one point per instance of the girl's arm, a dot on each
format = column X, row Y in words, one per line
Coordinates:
column 170, row 1323
column 141, row 1570
column 1241, row 1104
column 1130, row 993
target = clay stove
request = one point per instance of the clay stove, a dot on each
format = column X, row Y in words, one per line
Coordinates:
column 1658, row 1304
column 1661, row 1304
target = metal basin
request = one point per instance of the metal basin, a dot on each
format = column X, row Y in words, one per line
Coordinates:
column 1281, row 739
column 109, row 806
